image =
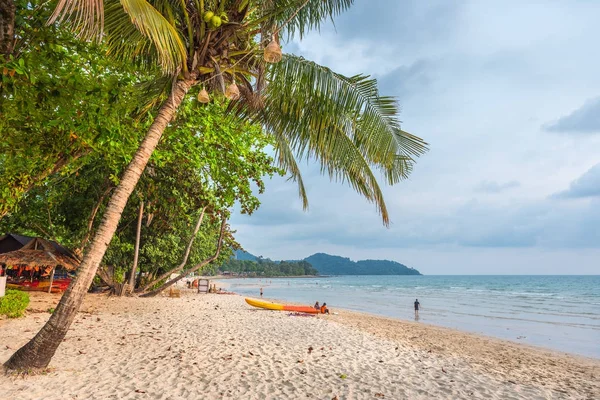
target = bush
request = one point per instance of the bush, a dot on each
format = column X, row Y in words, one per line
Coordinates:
column 14, row 303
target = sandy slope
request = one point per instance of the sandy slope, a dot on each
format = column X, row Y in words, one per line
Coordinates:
column 215, row 346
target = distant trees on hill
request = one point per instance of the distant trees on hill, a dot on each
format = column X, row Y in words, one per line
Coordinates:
column 267, row 267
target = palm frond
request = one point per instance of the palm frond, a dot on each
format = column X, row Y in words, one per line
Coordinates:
column 124, row 41
column 319, row 99
column 341, row 121
column 168, row 44
column 301, row 16
column 87, row 16
column 285, row 159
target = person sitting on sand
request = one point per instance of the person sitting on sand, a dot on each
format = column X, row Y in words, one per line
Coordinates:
column 324, row 309
column 317, row 306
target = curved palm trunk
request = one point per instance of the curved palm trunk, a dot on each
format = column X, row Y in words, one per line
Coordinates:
column 38, row 352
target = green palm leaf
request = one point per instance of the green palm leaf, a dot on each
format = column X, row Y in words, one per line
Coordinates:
column 341, row 121
column 285, row 159
column 87, row 16
column 301, row 16
column 313, row 102
column 167, row 43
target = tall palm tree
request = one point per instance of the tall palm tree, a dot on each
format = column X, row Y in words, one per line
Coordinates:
column 232, row 47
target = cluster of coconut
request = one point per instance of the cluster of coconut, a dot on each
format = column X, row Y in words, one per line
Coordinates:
column 213, row 20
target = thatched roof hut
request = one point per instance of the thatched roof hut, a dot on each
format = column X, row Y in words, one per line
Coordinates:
column 38, row 253
column 36, row 259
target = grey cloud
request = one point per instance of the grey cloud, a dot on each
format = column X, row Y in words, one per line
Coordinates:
column 495, row 187
column 585, row 119
column 403, row 81
column 587, row 185
column 399, row 22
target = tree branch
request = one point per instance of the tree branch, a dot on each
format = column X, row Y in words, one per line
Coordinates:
column 195, row 268
column 185, row 256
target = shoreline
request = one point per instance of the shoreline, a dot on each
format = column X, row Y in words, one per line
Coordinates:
column 216, row 346
column 362, row 315
column 519, row 313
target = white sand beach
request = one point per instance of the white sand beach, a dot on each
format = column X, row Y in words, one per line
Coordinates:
column 216, row 346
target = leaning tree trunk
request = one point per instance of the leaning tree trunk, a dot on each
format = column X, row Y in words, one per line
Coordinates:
column 137, row 247
column 185, row 255
column 38, row 352
column 196, row 267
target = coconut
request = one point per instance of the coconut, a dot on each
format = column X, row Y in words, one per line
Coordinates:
column 208, row 15
column 203, row 96
column 272, row 53
column 232, row 92
column 215, row 21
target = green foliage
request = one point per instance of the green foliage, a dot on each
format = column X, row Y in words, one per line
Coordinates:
column 62, row 103
column 335, row 265
column 71, row 124
column 266, row 267
column 14, row 303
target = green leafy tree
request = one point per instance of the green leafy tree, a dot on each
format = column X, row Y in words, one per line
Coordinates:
column 62, row 102
column 309, row 110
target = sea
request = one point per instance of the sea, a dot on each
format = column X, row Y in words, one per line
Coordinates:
column 555, row 312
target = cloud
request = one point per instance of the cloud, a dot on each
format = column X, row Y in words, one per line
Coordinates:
column 479, row 93
column 495, row 187
column 405, row 80
column 587, row 185
column 585, row 119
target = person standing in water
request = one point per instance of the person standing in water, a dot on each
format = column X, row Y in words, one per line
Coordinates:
column 417, row 305
column 261, row 293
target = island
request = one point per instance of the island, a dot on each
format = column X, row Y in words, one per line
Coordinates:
column 247, row 264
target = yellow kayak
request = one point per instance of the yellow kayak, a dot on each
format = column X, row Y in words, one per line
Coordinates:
column 280, row 307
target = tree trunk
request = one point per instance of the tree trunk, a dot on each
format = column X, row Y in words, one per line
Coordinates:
column 196, row 268
column 51, row 280
column 137, row 247
column 38, row 352
column 7, row 27
column 90, row 227
column 185, row 256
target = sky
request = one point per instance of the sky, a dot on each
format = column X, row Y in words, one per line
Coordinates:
column 507, row 94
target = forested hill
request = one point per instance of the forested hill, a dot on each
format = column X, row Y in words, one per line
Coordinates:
column 335, row 265
column 244, row 255
column 327, row 264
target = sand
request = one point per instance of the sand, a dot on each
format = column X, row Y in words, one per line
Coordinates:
column 213, row 346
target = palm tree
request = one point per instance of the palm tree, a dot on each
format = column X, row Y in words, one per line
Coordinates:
column 232, row 47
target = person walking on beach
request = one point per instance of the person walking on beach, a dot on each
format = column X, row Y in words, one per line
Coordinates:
column 261, row 292
column 417, row 305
